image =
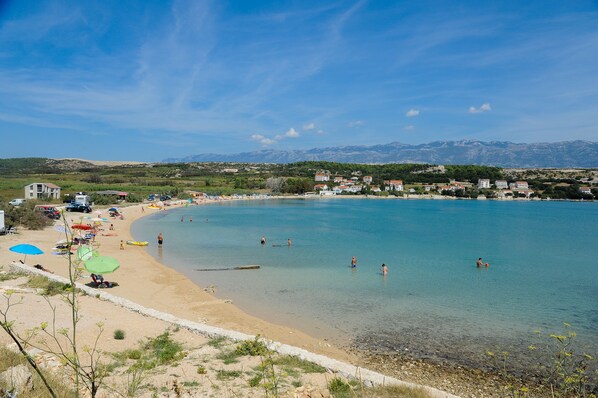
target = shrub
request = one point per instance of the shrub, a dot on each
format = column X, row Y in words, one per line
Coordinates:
column 252, row 348
column 119, row 334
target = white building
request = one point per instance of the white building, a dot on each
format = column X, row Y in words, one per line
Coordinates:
column 501, row 184
column 483, row 183
column 320, row 187
column 42, row 190
column 322, row 177
column 394, row 185
column 519, row 185
column 368, row 179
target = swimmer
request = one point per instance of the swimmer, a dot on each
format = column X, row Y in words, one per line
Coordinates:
column 384, row 270
column 289, row 242
column 353, row 262
column 263, row 240
column 479, row 263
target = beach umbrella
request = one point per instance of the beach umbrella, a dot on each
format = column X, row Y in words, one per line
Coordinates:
column 81, row 226
column 26, row 249
column 113, row 209
column 86, row 252
column 101, row 265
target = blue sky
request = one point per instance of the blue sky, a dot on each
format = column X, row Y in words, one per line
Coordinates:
column 147, row 80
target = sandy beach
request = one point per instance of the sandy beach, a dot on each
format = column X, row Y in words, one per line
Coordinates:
column 145, row 281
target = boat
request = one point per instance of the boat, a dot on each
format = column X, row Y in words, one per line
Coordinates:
column 137, row 243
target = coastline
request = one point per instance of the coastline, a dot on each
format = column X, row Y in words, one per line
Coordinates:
column 144, row 280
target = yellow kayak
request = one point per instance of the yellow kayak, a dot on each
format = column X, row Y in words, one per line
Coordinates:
column 153, row 207
column 136, row 243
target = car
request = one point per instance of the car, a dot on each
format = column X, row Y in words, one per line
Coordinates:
column 16, row 202
column 78, row 207
column 48, row 211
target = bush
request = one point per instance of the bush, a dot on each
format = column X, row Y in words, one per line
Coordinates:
column 119, row 334
column 252, row 348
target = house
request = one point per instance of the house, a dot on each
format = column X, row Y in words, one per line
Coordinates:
column 367, row 179
column 327, row 193
column 501, row 184
column 42, row 190
column 338, row 179
column 320, row 187
column 322, row 177
column 519, row 185
column 394, row 185
column 119, row 194
column 429, row 188
column 375, row 188
column 340, row 189
column 585, row 190
column 483, row 183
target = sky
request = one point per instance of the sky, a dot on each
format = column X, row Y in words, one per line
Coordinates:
column 149, row 80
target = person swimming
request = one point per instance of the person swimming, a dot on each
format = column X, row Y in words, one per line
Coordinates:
column 479, row 263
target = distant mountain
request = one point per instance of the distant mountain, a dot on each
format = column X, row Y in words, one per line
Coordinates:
column 494, row 153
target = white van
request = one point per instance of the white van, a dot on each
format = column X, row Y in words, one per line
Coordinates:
column 17, row 202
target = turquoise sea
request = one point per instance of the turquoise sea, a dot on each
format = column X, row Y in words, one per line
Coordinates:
column 434, row 302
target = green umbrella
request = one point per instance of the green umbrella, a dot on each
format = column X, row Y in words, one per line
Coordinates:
column 86, row 252
column 101, row 265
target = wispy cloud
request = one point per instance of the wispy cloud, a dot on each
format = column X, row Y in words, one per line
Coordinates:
column 412, row 112
column 265, row 141
column 484, row 108
column 409, row 127
column 356, row 124
column 309, row 126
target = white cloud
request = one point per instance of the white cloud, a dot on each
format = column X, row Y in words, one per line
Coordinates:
column 262, row 139
column 356, row 123
column 409, row 127
column 321, row 132
column 412, row 112
column 309, row 126
column 484, row 108
column 292, row 133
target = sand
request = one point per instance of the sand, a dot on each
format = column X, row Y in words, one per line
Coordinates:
column 147, row 282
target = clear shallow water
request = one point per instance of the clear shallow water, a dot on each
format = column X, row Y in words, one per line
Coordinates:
column 543, row 267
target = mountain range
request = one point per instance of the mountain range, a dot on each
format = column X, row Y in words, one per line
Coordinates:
column 563, row 154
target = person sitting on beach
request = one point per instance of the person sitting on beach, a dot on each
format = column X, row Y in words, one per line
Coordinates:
column 479, row 263
column 384, row 270
column 40, row 267
column 353, row 262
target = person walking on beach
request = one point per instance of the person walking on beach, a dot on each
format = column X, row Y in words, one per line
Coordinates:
column 353, row 262
column 384, row 270
column 160, row 239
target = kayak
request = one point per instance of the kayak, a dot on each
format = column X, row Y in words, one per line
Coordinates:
column 153, row 207
column 136, row 243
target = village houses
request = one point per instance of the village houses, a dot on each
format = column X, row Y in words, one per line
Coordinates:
column 483, row 183
column 501, row 184
column 394, row 185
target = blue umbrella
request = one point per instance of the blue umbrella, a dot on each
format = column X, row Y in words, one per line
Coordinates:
column 26, row 249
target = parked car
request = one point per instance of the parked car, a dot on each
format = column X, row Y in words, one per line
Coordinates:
column 78, row 207
column 16, row 202
column 48, row 211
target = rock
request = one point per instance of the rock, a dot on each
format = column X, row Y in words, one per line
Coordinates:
column 18, row 378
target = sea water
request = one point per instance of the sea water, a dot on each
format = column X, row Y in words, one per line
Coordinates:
column 543, row 268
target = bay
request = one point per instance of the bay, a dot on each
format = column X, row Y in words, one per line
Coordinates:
column 434, row 302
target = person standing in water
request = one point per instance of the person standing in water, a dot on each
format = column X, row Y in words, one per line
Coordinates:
column 289, row 242
column 263, row 240
column 353, row 262
column 160, row 239
column 479, row 263
column 384, row 270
